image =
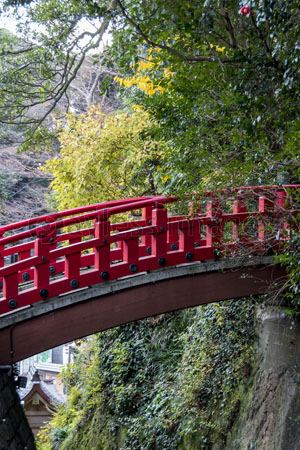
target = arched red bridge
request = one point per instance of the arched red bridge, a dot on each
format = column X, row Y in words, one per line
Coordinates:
column 73, row 273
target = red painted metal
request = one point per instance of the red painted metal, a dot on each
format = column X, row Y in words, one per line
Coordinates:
column 50, row 259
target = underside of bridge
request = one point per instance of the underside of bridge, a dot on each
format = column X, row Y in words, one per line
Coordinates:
column 77, row 314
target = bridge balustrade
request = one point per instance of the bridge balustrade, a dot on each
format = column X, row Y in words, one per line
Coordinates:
column 69, row 250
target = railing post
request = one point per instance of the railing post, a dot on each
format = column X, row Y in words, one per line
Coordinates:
column 239, row 206
column 281, row 196
column 173, row 236
column 41, row 270
column 25, row 254
column 102, row 252
column 193, row 213
column 159, row 239
column 1, row 250
column 265, row 206
column 186, row 237
column 214, row 232
column 147, row 217
column 131, row 250
column 72, row 264
column 11, row 286
column 281, row 205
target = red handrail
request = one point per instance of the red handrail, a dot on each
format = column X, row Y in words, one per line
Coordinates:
column 104, row 251
column 70, row 212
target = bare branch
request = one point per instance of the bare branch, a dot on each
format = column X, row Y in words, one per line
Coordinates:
column 59, row 94
column 230, row 29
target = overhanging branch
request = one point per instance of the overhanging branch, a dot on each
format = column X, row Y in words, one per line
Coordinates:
column 190, row 58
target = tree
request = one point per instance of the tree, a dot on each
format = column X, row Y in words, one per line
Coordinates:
column 92, row 86
column 234, row 95
column 218, row 90
column 104, row 157
column 230, row 106
column 38, row 67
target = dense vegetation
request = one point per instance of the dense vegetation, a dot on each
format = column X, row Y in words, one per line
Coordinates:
column 172, row 381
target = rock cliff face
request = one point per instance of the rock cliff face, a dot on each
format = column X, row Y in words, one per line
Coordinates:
column 15, row 433
column 269, row 417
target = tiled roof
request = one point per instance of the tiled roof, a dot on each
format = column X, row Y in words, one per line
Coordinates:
column 48, row 387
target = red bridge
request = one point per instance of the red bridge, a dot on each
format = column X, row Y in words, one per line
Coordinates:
column 73, row 273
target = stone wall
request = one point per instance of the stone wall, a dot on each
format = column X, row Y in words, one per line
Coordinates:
column 15, row 433
column 269, row 417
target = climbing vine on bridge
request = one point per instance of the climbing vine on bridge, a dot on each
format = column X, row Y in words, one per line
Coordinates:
column 172, row 381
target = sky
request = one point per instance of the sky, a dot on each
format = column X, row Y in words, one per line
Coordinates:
column 10, row 23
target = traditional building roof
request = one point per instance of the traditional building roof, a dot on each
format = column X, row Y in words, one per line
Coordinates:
column 40, row 400
column 45, row 388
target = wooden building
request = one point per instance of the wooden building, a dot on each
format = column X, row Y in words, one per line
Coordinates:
column 40, row 400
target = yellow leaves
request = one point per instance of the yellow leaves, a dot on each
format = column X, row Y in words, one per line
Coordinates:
column 146, row 85
column 144, row 65
column 127, row 82
column 218, row 49
column 168, row 73
column 142, row 78
column 137, row 108
column 100, row 157
column 142, row 82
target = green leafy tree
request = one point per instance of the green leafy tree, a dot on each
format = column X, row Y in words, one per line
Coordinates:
column 39, row 65
column 230, row 106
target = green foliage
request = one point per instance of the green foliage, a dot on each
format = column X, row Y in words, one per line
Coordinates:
column 229, row 110
column 290, row 260
column 289, row 256
column 223, row 107
column 40, row 63
column 168, row 382
column 104, row 157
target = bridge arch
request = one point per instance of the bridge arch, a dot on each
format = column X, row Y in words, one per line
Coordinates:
column 68, row 317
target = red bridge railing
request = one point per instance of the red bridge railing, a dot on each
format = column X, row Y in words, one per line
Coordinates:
column 47, row 259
